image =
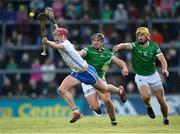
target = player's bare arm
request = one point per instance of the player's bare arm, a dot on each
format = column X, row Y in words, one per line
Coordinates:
column 121, row 64
column 82, row 53
column 164, row 65
column 122, row 46
column 52, row 44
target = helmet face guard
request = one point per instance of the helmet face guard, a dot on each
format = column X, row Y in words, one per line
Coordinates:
column 98, row 35
column 143, row 30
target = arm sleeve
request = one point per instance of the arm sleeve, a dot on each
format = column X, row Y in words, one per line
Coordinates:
column 158, row 51
column 133, row 45
column 112, row 54
column 65, row 44
column 86, row 49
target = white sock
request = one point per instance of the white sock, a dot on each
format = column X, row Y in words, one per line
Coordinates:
column 75, row 110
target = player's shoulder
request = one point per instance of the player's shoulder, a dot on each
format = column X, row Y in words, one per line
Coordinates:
column 134, row 44
column 107, row 50
column 66, row 42
column 88, row 47
column 153, row 44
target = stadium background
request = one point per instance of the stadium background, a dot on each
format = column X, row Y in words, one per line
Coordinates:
column 28, row 81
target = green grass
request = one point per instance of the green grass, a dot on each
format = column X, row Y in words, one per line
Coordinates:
column 94, row 124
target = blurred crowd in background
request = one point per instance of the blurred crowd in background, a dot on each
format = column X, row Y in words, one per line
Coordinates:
column 20, row 42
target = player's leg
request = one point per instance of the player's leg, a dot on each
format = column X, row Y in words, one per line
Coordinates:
column 157, row 87
column 145, row 93
column 104, row 88
column 63, row 90
column 163, row 104
column 94, row 102
column 91, row 77
column 91, row 97
column 110, row 107
column 146, row 97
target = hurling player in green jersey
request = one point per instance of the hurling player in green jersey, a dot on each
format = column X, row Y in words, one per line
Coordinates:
column 100, row 58
column 144, row 54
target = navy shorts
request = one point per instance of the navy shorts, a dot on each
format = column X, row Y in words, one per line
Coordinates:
column 89, row 76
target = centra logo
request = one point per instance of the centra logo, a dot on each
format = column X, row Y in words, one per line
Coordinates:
column 29, row 110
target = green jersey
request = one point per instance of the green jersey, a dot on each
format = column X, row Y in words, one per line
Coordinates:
column 143, row 58
column 100, row 60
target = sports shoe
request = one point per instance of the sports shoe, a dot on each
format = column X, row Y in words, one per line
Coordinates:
column 166, row 122
column 98, row 111
column 122, row 94
column 151, row 112
column 114, row 123
column 75, row 117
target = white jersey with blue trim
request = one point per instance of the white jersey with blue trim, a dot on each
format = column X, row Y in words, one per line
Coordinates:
column 71, row 57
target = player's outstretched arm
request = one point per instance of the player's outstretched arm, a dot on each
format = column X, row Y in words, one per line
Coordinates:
column 52, row 43
column 122, row 46
column 121, row 64
column 164, row 65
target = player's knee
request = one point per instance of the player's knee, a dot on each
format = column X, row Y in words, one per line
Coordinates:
column 94, row 107
column 107, row 101
column 146, row 97
column 106, row 98
column 104, row 91
column 60, row 91
column 161, row 101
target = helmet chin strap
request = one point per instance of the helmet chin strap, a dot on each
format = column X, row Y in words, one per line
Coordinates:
column 143, row 43
column 101, row 47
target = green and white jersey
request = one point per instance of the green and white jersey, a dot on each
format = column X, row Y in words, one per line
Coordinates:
column 143, row 58
column 100, row 60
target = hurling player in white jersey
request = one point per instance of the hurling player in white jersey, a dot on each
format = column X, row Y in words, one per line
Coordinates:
column 81, row 71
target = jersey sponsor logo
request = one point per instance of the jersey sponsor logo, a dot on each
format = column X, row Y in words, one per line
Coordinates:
column 101, row 55
column 145, row 53
column 140, row 51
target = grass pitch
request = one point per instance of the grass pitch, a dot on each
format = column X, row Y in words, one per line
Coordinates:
column 93, row 124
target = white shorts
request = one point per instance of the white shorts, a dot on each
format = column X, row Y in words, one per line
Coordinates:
column 153, row 81
column 89, row 89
